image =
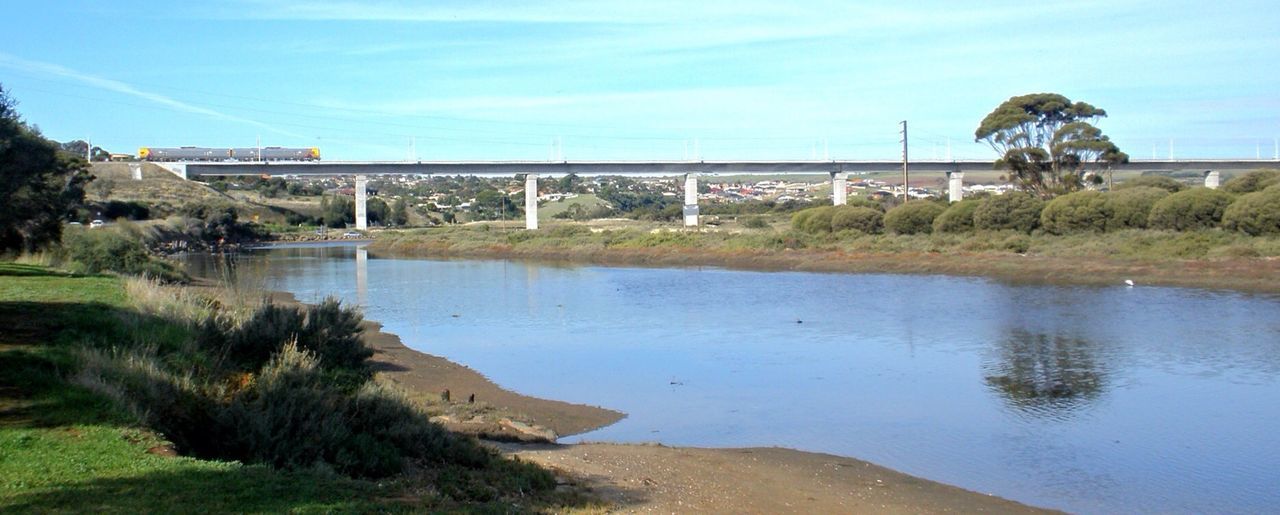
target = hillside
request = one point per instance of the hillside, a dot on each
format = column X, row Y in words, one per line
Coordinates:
column 166, row 192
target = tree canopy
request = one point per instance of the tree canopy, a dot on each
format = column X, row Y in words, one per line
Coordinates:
column 1047, row 142
column 38, row 184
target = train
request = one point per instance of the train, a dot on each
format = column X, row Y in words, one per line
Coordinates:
column 228, row 154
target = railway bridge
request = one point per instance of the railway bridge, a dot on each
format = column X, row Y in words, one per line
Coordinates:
column 838, row 170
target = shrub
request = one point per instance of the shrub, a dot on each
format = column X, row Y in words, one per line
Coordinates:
column 1255, row 213
column 813, row 220
column 1082, row 211
column 568, row 231
column 1015, row 211
column 864, row 202
column 755, row 222
column 102, row 250
column 1130, row 208
column 800, row 218
column 1168, row 184
column 913, row 217
column 1196, row 208
column 1256, row 180
column 857, row 218
column 327, row 330
column 958, row 217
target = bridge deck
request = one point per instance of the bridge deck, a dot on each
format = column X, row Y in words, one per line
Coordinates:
column 502, row 168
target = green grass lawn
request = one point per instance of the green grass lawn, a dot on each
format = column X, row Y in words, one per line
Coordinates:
column 588, row 201
column 63, row 448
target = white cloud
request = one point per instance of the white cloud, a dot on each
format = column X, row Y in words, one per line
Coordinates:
column 54, row 70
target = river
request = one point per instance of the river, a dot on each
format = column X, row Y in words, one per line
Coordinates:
column 1088, row 399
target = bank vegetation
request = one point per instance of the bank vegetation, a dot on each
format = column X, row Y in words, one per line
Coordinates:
column 1152, row 231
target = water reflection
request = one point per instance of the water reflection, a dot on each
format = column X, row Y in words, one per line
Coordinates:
column 1046, row 375
column 362, row 276
column 1091, row 399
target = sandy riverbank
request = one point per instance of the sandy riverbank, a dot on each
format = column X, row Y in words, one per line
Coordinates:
column 672, row 479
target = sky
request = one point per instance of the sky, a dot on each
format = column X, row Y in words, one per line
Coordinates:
column 654, row 79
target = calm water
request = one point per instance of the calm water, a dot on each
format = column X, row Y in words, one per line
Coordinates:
column 1090, row 399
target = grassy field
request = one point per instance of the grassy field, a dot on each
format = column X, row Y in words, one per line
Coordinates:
column 63, row 448
column 1208, row 258
column 549, row 210
column 66, row 448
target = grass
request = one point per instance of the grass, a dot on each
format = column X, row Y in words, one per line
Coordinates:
column 65, row 448
column 1205, row 258
column 547, row 212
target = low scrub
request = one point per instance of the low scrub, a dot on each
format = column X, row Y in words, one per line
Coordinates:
column 1197, row 208
column 1130, row 208
column 1254, row 213
column 755, row 222
column 1012, row 211
column 109, row 250
column 913, row 217
column 1082, row 211
column 1168, row 184
column 856, row 218
column 1256, row 180
column 328, row 330
column 264, row 391
column 958, row 217
column 814, row 220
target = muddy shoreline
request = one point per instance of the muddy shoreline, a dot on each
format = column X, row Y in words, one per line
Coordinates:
column 648, row 477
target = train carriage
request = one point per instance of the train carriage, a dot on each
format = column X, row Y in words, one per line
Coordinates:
column 228, row 154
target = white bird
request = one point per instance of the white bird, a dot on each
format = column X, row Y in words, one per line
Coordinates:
column 1129, row 282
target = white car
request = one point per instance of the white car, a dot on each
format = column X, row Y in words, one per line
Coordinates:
column 351, row 234
column 96, row 224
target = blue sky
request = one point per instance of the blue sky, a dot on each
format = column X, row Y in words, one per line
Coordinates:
column 741, row 79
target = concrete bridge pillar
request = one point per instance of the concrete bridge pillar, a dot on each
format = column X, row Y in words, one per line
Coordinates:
column 531, row 202
column 839, row 188
column 691, row 200
column 362, row 218
column 1211, row 179
column 955, row 186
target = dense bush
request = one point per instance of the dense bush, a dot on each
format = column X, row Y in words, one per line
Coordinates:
column 813, row 220
column 327, row 330
column 1196, row 208
column 289, row 416
column 1130, row 208
column 1168, row 184
column 755, row 222
column 1082, row 211
column 958, row 217
column 107, row 250
column 121, row 209
column 217, row 223
column 857, row 218
column 1015, row 211
column 1256, row 180
column 864, row 202
column 913, row 217
column 1255, row 213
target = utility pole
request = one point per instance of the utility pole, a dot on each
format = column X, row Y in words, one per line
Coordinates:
column 260, row 157
column 88, row 151
column 905, row 177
